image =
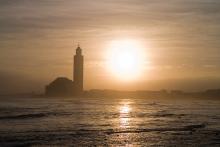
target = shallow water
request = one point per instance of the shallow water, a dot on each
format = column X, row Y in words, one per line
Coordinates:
column 109, row 122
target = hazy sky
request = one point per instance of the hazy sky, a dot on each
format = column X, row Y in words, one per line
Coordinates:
column 38, row 38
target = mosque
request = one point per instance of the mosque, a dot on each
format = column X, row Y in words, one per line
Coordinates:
column 63, row 86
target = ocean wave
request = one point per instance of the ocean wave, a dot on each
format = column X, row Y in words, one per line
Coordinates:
column 184, row 128
column 167, row 115
column 33, row 115
column 24, row 116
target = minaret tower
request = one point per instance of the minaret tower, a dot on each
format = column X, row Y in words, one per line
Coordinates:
column 78, row 71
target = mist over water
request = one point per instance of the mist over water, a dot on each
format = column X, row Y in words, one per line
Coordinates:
column 114, row 122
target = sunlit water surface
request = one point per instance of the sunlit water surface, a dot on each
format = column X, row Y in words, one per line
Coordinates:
column 109, row 122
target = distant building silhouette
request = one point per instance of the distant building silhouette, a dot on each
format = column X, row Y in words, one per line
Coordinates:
column 62, row 86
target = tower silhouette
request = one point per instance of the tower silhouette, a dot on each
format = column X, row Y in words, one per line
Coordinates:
column 78, row 71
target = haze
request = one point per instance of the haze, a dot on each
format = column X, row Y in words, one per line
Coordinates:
column 180, row 38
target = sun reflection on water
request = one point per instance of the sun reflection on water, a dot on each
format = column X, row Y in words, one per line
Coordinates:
column 125, row 110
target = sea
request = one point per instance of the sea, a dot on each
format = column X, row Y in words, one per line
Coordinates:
column 109, row 122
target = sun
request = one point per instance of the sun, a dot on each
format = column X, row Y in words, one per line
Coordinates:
column 125, row 59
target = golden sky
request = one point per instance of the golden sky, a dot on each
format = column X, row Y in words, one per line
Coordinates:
column 179, row 37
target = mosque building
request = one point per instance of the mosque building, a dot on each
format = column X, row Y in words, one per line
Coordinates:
column 63, row 86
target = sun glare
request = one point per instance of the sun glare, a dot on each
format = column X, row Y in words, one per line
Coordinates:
column 125, row 59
